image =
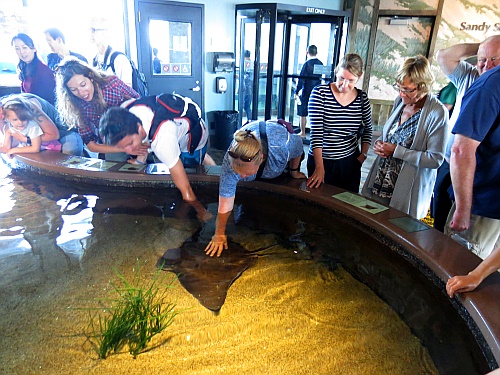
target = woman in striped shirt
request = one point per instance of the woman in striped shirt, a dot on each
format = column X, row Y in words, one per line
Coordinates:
column 340, row 117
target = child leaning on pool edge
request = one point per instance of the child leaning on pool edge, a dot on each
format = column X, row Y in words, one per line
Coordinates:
column 22, row 134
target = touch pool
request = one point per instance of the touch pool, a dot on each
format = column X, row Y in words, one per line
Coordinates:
column 296, row 310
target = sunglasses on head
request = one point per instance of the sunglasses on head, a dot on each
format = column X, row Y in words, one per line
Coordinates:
column 246, row 159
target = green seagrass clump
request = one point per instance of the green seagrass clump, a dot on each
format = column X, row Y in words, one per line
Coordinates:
column 140, row 312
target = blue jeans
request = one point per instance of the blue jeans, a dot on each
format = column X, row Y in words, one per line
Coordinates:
column 72, row 144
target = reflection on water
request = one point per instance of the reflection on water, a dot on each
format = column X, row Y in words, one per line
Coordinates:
column 76, row 215
column 293, row 311
column 42, row 226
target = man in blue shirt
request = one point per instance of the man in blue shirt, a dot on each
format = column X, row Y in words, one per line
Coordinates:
column 308, row 79
column 453, row 63
column 475, row 167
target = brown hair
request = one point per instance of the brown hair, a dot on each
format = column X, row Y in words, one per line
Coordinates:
column 351, row 62
column 20, row 106
column 68, row 103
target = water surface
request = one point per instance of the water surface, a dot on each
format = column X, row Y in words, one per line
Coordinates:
column 295, row 311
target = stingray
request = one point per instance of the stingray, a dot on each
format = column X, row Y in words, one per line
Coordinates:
column 207, row 278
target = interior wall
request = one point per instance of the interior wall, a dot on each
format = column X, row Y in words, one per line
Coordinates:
column 459, row 21
column 219, row 36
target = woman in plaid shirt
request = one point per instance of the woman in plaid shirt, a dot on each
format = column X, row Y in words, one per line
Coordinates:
column 83, row 95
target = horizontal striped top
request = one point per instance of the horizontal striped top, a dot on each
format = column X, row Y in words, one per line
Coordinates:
column 336, row 128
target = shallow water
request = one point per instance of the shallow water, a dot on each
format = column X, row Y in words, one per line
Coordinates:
column 295, row 311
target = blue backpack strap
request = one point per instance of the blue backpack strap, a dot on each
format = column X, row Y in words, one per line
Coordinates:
column 112, row 59
column 265, row 148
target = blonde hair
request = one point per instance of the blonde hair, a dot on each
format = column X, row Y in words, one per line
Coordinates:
column 351, row 62
column 246, row 145
column 68, row 104
column 418, row 70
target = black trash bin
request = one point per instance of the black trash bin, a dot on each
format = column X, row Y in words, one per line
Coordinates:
column 226, row 123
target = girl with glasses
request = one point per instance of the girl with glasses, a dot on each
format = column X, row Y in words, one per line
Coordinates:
column 412, row 144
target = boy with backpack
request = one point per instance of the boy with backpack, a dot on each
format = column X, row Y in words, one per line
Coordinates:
column 115, row 62
column 170, row 124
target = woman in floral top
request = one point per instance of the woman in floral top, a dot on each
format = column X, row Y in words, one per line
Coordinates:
column 411, row 147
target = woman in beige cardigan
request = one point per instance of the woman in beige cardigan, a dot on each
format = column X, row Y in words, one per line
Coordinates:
column 412, row 144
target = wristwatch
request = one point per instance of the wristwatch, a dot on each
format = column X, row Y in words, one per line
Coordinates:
column 366, row 154
column 28, row 140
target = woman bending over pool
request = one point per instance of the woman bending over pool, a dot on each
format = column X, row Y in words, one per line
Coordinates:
column 246, row 155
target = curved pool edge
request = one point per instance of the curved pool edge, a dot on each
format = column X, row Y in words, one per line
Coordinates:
column 440, row 255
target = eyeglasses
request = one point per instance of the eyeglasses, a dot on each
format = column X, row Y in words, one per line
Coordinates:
column 349, row 81
column 246, row 159
column 404, row 91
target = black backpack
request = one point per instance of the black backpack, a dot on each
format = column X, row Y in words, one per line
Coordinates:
column 139, row 82
column 170, row 107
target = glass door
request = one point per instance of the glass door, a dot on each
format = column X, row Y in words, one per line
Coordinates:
column 271, row 48
column 170, row 36
column 254, row 28
column 321, row 44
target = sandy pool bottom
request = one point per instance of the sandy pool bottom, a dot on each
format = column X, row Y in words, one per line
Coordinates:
column 282, row 316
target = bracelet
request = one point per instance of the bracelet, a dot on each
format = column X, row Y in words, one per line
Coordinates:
column 294, row 169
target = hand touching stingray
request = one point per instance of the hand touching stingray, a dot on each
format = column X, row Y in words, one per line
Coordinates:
column 219, row 239
column 216, row 245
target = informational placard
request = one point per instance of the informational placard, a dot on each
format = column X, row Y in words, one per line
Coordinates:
column 88, row 164
column 132, row 167
column 409, row 224
column 157, row 168
column 360, row 202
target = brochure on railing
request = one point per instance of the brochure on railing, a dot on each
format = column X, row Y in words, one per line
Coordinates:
column 360, row 202
column 88, row 164
column 409, row 224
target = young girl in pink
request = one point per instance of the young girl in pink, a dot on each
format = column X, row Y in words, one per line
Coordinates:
column 23, row 134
